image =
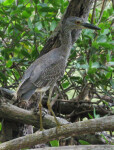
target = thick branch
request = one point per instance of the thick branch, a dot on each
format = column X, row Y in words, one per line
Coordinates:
column 6, row 93
column 79, row 147
column 82, row 127
column 11, row 112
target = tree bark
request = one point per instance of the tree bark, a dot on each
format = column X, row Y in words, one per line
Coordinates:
column 73, row 129
column 79, row 147
column 14, row 113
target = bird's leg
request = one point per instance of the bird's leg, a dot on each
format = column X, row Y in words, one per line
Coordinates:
column 49, row 107
column 40, row 110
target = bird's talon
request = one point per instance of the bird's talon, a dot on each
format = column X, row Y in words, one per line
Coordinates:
column 44, row 112
column 36, row 111
column 42, row 129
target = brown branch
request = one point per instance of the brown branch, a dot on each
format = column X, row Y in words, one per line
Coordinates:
column 6, row 93
column 78, row 128
column 105, row 97
column 11, row 112
column 93, row 13
column 113, row 3
column 102, row 10
column 79, row 147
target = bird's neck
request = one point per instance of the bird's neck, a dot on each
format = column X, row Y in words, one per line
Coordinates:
column 66, row 42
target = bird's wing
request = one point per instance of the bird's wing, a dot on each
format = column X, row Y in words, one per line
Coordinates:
column 49, row 75
column 25, row 84
column 40, row 76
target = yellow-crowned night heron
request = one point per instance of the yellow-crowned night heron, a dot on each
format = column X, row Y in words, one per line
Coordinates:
column 46, row 70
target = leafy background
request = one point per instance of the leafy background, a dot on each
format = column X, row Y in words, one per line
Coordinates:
column 24, row 28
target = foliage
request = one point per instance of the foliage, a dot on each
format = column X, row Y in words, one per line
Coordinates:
column 54, row 143
column 82, row 142
column 23, row 32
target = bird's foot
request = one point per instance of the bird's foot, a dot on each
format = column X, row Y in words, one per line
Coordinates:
column 36, row 112
column 51, row 111
column 41, row 128
column 57, row 122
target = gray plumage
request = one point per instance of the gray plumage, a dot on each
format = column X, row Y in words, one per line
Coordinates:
column 46, row 70
column 41, row 75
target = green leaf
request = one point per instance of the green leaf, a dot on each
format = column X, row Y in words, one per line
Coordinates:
column 111, row 63
column 16, row 73
column 53, row 25
column 96, row 115
column 25, row 53
column 54, row 143
column 106, row 31
column 25, row 14
column 107, row 45
column 112, row 83
column 30, row 24
column 84, row 66
column 8, row 2
column 47, row 9
column 103, row 58
column 106, row 103
column 42, row 4
column 95, row 44
column 95, row 65
column 82, row 142
column 74, row 78
column 35, row 1
column 92, row 70
column 105, row 15
column 9, row 63
column 90, row 116
column 38, row 25
column 108, row 75
column 105, row 138
column 102, row 39
column 65, row 85
column 2, row 75
column 89, row 33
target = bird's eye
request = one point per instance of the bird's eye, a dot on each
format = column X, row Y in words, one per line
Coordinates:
column 77, row 22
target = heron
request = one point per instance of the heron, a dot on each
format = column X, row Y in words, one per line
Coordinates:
column 43, row 73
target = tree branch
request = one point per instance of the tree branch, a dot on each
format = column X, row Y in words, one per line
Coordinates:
column 78, row 128
column 11, row 112
column 78, row 147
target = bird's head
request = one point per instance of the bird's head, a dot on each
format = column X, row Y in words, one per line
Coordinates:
column 78, row 23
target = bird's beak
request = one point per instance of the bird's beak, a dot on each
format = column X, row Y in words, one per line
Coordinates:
column 90, row 26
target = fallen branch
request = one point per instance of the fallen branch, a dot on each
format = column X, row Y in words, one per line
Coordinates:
column 79, row 147
column 11, row 112
column 82, row 127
